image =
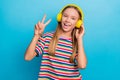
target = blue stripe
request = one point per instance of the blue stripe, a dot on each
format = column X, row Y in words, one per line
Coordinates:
column 62, row 57
column 41, row 42
column 65, row 40
column 47, row 41
column 46, row 77
column 45, row 53
column 67, row 46
column 40, row 47
column 38, row 54
column 46, row 65
column 60, row 63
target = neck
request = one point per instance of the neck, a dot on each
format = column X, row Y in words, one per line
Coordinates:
column 65, row 34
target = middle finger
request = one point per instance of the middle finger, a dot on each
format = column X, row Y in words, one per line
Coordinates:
column 43, row 19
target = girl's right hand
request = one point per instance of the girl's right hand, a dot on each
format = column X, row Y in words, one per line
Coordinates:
column 40, row 26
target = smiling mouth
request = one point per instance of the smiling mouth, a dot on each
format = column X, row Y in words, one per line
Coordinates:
column 66, row 25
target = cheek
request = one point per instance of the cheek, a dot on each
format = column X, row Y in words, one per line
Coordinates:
column 74, row 22
column 63, row 19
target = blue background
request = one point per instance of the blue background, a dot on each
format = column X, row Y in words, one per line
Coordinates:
column 101, row 40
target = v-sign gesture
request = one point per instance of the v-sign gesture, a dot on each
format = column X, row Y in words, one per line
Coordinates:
column 40, row 26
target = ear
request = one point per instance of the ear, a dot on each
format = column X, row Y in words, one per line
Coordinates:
column 79, row 23
column 59, row 17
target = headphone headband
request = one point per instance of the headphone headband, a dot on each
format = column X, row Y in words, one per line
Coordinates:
column 81, row 12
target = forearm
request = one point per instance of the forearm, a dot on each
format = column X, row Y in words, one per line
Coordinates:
column 30, row 52
column 81, row 58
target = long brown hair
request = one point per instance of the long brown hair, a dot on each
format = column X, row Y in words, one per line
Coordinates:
column 54, row 40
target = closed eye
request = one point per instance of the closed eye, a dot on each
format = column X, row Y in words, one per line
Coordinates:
column 73, row 18
column 64, row 15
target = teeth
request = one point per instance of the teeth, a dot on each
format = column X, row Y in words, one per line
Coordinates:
column 66, row 24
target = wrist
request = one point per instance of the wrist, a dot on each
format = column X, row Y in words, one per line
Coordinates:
column 79, row 39
column 36, row 36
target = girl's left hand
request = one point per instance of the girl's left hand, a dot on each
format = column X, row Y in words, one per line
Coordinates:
column 80, row 32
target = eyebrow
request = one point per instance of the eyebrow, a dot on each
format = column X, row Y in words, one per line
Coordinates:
column 66, row 14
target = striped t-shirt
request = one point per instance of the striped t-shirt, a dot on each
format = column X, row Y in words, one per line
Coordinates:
column 56, row 67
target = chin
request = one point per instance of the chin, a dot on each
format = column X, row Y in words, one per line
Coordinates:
column 66, row 30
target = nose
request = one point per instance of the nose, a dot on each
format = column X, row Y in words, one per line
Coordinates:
column 67, row 19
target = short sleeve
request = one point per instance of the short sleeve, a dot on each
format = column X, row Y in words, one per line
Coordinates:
column 39, row 49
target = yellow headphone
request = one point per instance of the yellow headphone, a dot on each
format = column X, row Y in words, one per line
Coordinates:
column 79, row 22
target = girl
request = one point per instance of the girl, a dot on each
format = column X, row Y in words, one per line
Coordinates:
column 62, row 51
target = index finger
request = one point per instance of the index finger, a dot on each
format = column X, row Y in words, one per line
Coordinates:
column 48, row 22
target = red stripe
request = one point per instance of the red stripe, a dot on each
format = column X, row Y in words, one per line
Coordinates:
column 64, row 49
column 41, row 39
column 59, row 54
column 38, row 49
column 58, row 72
column 59, row 66
column 68, row 44
column 41, row 45
column 53, row 58
column 67, row 56
column 48, row 34
column 69, row 79
column 53, row 77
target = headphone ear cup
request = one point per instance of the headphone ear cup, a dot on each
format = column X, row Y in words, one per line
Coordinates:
column 59, row 17
column 79, row 23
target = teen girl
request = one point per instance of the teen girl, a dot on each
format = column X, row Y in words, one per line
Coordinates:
column 62, row 51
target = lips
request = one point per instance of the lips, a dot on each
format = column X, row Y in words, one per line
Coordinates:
column 66, row 25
